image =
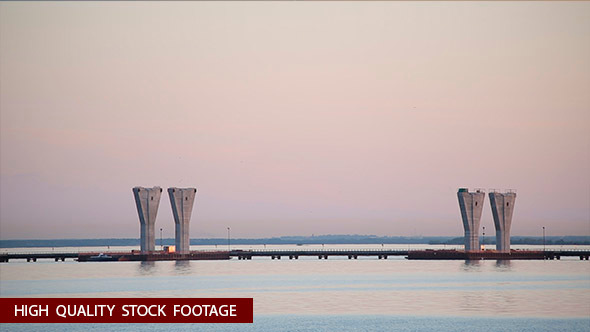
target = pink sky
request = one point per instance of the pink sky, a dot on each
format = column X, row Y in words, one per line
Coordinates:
column 293, row 118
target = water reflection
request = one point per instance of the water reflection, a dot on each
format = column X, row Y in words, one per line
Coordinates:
column 309, row 286
column 503, row 265
column 495, row 301
column 182, row 267
column 147, row 268
column 471, row 302
column 471, row 265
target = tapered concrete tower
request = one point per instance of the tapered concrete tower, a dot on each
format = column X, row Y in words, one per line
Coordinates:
column 471, row 205
column 147, row 201
column 502, row 208
column 182, row 200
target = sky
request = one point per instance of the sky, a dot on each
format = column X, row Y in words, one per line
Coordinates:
column 293, row 118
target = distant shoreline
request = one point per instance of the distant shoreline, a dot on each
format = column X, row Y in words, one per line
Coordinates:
column 295, row 240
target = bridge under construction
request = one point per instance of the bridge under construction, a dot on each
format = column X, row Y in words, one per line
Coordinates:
column 182, row 200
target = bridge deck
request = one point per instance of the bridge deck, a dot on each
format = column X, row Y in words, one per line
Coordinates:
column 295, row 254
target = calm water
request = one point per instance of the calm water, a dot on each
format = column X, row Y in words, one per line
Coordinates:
column 332, row 295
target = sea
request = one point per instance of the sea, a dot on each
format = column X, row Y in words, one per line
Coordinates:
column 337, row 294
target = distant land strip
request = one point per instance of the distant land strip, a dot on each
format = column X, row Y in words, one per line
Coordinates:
column 299, row 240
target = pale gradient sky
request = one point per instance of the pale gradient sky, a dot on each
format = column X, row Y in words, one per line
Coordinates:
column 293, row 118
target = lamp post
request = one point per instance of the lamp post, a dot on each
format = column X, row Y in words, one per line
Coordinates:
column 161, row 245
column 543, row 238
column 228, row 239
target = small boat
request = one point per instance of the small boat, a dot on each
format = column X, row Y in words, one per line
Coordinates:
column 101, row 257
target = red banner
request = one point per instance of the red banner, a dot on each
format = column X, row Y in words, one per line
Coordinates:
column 126, row 310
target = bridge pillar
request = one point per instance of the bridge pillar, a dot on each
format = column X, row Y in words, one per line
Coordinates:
column 471, row 206
column 147, row 201
column 181, row 200
column 502, row 209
